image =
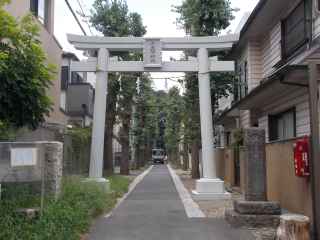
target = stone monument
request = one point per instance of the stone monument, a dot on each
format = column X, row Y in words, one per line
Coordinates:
column 255, row 210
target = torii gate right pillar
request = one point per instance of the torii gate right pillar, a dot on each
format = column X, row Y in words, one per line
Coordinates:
column 209, row 187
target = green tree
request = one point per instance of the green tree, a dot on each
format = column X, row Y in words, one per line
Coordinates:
column 161, row 116
column 113, row 19
column 191, row 123
column 172, row 123
column 144, row 128
column 23, row 72
column 204, row 18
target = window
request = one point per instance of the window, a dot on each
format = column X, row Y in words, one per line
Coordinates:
column 157, row 153
column 229, row 139
column 39, row 8
column 243, row 79
column 64, row 76
column 282, row 126
column 318, row 5
column 294, row 30
column 76, row 78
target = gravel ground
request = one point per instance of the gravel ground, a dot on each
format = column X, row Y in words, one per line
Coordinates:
column 216, row 209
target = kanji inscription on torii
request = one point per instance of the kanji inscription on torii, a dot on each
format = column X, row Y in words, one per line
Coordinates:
column 152, row 52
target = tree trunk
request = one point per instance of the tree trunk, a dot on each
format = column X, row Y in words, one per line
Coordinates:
column 177, row 150
column 293, row 226
column 195, row 173
column 148, row 150
column 136, row 163
column 108, row 134
column 185, row 155
column 143, row 158
column 124, row 167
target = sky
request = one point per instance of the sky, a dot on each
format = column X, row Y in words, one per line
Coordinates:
column 156, row 15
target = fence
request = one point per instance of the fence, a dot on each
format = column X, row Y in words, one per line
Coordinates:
column 72, row 162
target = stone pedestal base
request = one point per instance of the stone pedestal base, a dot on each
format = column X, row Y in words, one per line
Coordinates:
column 254, row 214
column 210, row 189
column 101, row 181
column 237, row 220
column 257, row 207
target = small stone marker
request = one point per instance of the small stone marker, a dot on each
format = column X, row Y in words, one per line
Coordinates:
column 255, row 211
column 255, row 164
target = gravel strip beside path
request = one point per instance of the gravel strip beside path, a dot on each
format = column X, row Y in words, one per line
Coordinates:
column 217, row 208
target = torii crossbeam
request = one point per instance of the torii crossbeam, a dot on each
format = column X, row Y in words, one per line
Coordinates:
column 209, row 187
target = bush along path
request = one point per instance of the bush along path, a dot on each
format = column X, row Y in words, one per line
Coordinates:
column 67, row 218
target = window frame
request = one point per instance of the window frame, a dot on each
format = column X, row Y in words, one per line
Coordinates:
column 34, row 8
column 285, row 55
column 64, row 76
column 228, row 134
column 273, row 131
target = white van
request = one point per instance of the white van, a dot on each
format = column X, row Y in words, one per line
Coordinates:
column 158, row 156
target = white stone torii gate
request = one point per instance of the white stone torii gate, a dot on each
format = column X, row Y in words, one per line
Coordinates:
column 207, row 188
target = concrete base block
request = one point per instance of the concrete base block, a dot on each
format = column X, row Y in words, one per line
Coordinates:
column 196, row 196
column 237, row 220
column 204, row 185
column 101, row 181
column 257, row 207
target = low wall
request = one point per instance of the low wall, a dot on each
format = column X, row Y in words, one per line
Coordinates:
column 293, row 193
column 72, row 162
column 241, row 160
column 225, row 165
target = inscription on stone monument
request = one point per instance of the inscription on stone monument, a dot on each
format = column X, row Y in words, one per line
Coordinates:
column 255, row 164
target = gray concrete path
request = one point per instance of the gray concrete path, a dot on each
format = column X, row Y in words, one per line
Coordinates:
column 154, row 211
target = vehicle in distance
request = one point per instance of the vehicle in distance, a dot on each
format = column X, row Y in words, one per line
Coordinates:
column 158, row 156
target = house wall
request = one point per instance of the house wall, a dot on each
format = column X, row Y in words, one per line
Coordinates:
column 316, row 26
column 63, row 98
column 50, row 46
column 270, row 50
column 78, row 94
column 254, row 63
column 244, row 117
column 294, row 97
column 293, row 193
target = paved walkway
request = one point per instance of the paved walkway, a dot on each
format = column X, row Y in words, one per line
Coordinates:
column 153, row 210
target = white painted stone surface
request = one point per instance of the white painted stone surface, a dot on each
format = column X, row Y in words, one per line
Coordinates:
column 191, row 207
column 210, row 185
column 101, row 181
column 96, row 157
column 209, row 196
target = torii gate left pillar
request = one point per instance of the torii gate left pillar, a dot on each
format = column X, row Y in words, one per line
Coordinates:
column 209, row 187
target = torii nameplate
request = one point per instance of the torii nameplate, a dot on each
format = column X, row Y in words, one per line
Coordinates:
column 152, row 52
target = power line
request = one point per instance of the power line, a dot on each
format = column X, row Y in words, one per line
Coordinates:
column 85, row 17
column 75, row 17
